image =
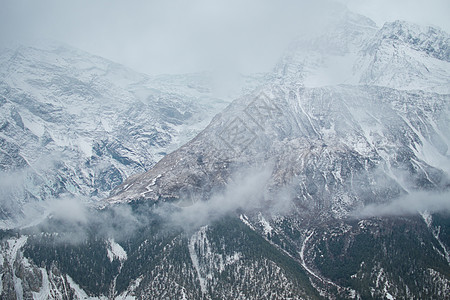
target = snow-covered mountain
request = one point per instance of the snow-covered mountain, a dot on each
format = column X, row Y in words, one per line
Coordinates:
column 77, row 124
column 322, row 138
column 321, row 141
column 331, row 149
column 270, row 200
column 354, row 51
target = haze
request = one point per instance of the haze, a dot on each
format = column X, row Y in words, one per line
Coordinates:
column 178, row 36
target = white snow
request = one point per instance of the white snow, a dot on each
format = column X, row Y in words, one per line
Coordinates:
column 302, row 255
column 44, row 292
column 34, row 125
column 184, row 297
column 436, row 232
column 244, row 220
column 85, row 145
column 125, row 297
column 14, row 246
column 79, row 292
column 18, row 287
column 427, row 218
column 427, row 152
column 116, row 251
column 231, row 259
column 303, row 261
column 195, row 261
column 379, row 276
column 267, row 228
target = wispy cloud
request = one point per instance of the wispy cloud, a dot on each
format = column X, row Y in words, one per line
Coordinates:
column 410, row 204
column 247, row 190
column 170, row 36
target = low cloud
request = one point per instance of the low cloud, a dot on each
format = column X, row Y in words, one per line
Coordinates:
column 247, row 190
column 407, row 205
column 71, row 210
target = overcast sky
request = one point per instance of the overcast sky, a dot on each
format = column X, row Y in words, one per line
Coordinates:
column 179, row 36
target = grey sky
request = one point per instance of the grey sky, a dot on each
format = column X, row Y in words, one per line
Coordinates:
column 187, row 36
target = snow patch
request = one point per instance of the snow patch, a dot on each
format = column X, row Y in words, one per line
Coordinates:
column 427, row 218
column 85, row 146
column 195, row 261
column 79, row 292
column 14, row 247
column 244, row 220
column 33, row 125
column 116, row 251
column 44, row 291
column 265, row 224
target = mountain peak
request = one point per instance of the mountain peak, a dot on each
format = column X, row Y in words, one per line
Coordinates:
column 431, row 40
